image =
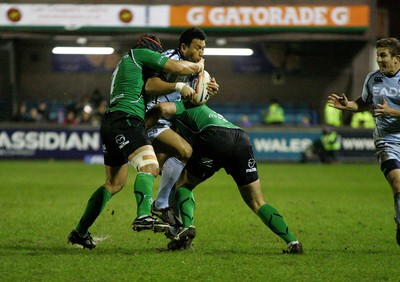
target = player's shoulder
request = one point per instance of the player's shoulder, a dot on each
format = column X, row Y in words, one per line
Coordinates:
column 374, row 73
column 172, row 54
column 374, row 77
column 142, row 52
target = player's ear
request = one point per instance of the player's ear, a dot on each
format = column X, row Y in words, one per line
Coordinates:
column 183, row 47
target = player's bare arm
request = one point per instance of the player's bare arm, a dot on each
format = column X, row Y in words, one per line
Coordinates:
column 166, row 110
column 342, row 103
column 184, row 67
column 155, row 86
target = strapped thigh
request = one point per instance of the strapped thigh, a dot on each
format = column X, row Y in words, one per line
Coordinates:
column 144, row 158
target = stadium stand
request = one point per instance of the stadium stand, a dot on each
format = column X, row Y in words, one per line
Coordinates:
column 295, row 113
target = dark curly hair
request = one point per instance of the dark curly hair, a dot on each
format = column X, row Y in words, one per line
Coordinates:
column 149, row 41
column 191, row 33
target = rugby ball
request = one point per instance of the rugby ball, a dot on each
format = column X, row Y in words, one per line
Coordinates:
column 199, row 84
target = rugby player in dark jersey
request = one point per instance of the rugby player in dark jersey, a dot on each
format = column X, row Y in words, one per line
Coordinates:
column 217, row 143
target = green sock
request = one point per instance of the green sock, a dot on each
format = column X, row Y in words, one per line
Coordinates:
column 272, row 218
column 143, row 189
column 95, row 205
column 186, row 204
column 397, row 207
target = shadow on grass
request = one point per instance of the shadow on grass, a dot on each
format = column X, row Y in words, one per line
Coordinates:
column 68, row 249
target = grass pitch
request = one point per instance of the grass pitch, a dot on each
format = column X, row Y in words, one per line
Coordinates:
column 342, row 214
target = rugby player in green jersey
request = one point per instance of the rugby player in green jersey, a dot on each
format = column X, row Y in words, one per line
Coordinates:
column 124, row 138
column 217, row 143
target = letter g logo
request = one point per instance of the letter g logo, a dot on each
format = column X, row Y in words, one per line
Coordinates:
column 196, row 16
column 340, row 16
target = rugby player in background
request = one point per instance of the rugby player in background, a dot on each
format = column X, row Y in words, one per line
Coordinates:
column 382, row 91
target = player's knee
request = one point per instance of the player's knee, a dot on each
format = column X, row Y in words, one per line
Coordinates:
column 152, row 169
column 252, row 195
column 255, row 204
column 185, row 153
column 114, row 188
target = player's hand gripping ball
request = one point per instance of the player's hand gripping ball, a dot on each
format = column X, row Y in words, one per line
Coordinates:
column 199, row 84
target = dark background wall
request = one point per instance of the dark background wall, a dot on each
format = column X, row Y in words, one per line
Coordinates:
column 320, row 64
column 323, row 63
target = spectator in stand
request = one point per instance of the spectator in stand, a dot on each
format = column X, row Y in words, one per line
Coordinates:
column 85, row 117
column 22, row 114
column 328, row 146
column 96, row 98
column 275, row 114
column 34, row 115
column 98, row 113
column 60, row 116
column 333, row 117
column 305, row 121
column 362, row 120
column 246, row 121
column 324, row 149
column 43, row 112
column 70, row 118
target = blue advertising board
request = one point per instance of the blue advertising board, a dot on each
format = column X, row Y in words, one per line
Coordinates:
column 45, row 143
column 289, row 144
column 278, row 144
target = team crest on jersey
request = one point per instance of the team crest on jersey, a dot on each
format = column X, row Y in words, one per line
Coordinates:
column 378, row 79
column 251, row 164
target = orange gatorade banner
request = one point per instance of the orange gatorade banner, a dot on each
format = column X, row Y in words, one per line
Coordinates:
column 347, row 16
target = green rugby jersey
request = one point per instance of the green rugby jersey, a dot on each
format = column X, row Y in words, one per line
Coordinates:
column 192, row 120
column 127, row 80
